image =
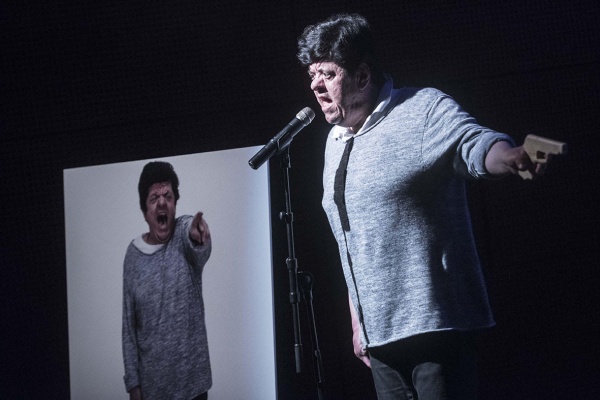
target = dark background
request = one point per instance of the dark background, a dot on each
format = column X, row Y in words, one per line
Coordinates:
column 88, row 83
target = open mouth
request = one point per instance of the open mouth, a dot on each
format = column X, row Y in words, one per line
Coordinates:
column 324, row 99
column 162, row 219
column 325, row 102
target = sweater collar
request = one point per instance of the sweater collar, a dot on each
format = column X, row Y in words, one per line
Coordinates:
column 384, row 102
column 146, row 248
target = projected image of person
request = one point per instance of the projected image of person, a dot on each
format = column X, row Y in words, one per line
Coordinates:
column 165, row 348
column 396, row 164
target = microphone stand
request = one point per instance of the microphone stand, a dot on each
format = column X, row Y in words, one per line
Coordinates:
column 292, row 265
column 306, row 284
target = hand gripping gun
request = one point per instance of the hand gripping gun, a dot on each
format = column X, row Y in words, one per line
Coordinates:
column 540, row 149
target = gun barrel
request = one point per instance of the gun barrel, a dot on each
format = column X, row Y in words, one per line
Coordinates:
column 545, row 144
column 539, row 148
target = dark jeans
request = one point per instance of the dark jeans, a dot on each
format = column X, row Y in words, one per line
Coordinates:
column 203, row 396
column 431, row 366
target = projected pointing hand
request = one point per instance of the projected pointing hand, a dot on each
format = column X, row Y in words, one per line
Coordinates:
column 199, row 231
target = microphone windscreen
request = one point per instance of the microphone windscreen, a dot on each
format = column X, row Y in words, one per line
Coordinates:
column 306, row 115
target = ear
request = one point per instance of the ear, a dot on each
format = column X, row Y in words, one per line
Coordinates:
column 363, row 76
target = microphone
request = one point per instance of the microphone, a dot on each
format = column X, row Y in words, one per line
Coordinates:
column 283, row 138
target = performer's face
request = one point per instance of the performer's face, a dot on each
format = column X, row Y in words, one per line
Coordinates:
column 337, row 93
column 160, row 213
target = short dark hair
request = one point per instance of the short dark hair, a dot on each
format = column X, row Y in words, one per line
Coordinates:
column 344, row 39
column 156, row 172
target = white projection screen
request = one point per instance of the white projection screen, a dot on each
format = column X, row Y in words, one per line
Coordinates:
column 102, row 216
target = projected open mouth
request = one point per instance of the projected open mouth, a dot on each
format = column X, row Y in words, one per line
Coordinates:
column 162, row 219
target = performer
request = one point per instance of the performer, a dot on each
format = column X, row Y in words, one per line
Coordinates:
column 165, row 349
column 396, row 161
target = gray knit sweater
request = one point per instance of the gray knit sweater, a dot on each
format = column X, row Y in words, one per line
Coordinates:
column 165, row 347
column 414, row 263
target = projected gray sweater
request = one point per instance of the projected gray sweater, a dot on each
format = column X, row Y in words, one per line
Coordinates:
column 165, row 347
column 409, row 257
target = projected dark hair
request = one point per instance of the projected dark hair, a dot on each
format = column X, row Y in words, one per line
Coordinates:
column 344, row 39
column 157, row 172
